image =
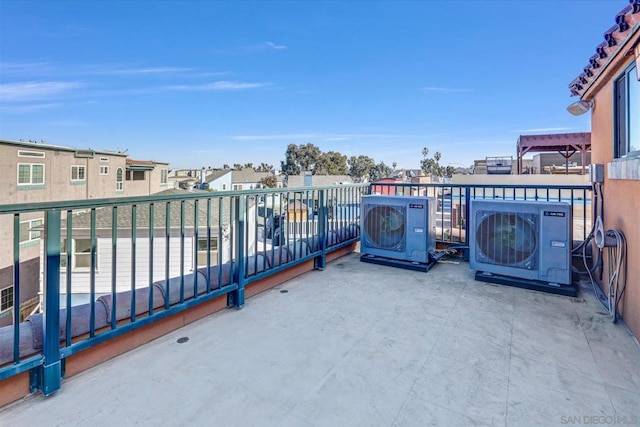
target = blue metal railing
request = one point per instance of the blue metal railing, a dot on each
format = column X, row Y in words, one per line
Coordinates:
column 452, row 200
column 113, row 265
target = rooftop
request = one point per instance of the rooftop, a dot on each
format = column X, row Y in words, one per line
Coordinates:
column 364, row 344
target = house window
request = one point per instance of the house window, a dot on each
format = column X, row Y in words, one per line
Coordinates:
column 202, row 251
column 627, row 112
column 224, row 187
column 80, row 256
column 163, row 176
column 119, row 173
column 135, row 176
column 78, row 173
column 237, row 187
column 104, row 170
column 23, row 153
column 30, row 173
column 27, row 234
column 6, row 299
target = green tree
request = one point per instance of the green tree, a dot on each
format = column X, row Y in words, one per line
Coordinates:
column 331, row 163
column 269, row 181
column 307, row 156
column 237, row 166
column 264, row 167
column 225, row 166
column 299, row 158
column 449, row 171
column 248, row 166
column 360, row 167
column 289, row 165
column 431, row 165
column 379, row 171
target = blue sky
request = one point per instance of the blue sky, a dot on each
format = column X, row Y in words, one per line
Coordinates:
column 207, row 83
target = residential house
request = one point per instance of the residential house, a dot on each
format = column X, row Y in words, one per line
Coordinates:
column 219, row 180
column 184, row 178
column 39, row 172
column 235, row 180
column 145, row 177
column 247, row 179
column 610, row 86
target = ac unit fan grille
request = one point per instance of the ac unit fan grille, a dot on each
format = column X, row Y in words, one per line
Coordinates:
column 507, row 238
column 385, row 227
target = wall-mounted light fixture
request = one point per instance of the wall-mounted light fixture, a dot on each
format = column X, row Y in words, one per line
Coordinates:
column 580, row 107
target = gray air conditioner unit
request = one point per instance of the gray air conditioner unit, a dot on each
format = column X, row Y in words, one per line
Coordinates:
column 398, row 227
column 522, row 239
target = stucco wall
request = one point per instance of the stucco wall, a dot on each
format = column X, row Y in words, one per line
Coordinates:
column 621, row 199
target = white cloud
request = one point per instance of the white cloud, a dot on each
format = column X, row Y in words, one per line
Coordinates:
column 25, row 68
column 219, row 85
column 48, row 69
column 445, row 89
column 30, row 91
column 29, row 108
column 142, row 70
column 271, row 45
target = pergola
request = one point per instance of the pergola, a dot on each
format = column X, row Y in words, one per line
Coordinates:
column 564, row 143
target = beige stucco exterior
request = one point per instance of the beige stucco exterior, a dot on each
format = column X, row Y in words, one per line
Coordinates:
column 621, row 196
column 100, row 168
column 153, row 181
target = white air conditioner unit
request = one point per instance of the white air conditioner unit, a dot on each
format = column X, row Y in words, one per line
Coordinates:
column 398, row 227
column 522, row 239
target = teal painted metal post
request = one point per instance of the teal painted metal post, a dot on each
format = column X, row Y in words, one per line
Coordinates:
column 467, row 198
column 236, row 298
column 320, row 261
column 16, row 288
column 52, row 369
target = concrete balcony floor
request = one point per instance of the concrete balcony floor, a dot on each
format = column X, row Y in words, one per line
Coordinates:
column 368, row 345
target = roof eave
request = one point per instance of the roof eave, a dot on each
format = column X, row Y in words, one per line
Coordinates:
column 607, row 69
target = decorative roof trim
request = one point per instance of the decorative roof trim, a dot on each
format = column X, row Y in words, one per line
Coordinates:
column 616, row 39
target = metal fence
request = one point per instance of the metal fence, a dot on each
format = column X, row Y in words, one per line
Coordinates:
column 106, row 267
column 113, row 265
column 452, row 203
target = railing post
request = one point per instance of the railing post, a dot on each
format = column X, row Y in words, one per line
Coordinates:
column 467, row 197
column 52, row 370
column 236, row 298
column 320, row 261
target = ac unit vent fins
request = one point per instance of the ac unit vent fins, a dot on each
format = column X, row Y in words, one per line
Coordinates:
column 507, row 238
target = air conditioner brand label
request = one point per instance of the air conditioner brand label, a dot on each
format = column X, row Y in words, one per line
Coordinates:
column 415, row 206
column 556, row 244
column 552, row 213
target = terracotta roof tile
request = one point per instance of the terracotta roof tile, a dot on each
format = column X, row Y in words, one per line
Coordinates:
column 626, row 20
